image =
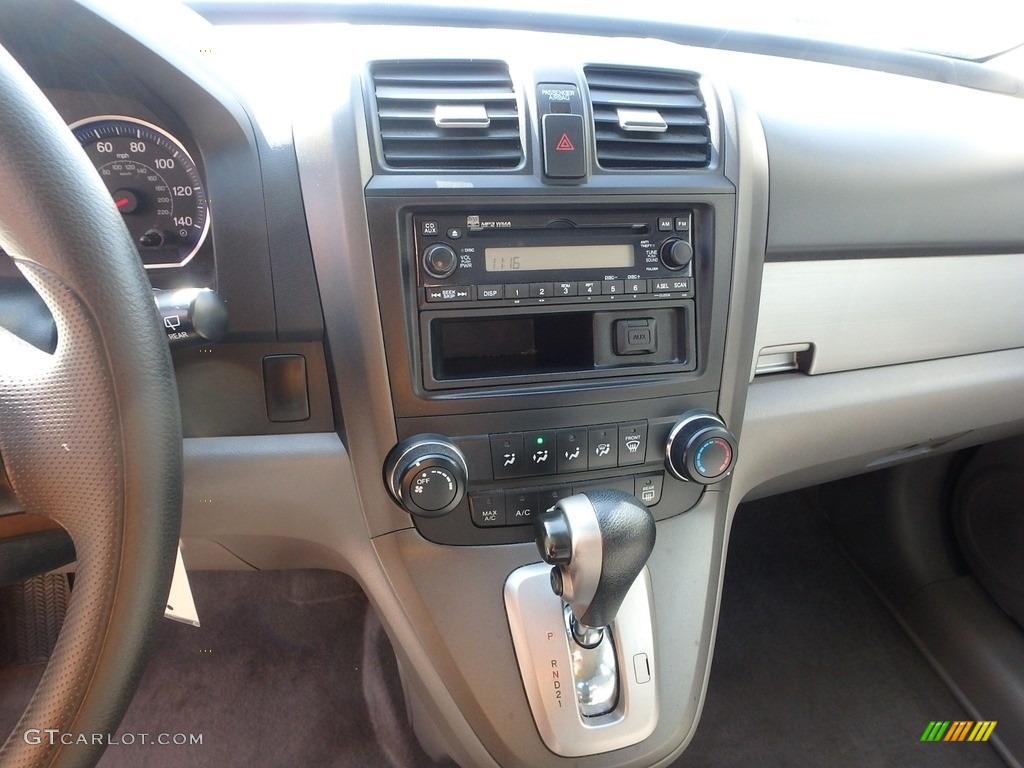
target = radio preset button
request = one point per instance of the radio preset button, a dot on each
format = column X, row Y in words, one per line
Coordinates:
column 490, row 292
column 565, row 289
column 590, row 289
column 440, row 260
column 450, row 293
column 541, row 290
column 517, row 291
column 636, row 286
column 611, row 287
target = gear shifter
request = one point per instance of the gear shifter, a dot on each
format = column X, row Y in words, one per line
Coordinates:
column 586, row 652
column 598, row 542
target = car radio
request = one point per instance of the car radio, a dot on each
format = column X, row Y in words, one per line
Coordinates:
column 530, row 258
column 517, row 295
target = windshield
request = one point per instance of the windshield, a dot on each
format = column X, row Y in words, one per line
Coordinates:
column 977, row 30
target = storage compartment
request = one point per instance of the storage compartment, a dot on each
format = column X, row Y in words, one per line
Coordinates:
column 478, row 348
column 512, row 346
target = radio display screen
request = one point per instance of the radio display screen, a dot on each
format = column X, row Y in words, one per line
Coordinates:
column 528, row 258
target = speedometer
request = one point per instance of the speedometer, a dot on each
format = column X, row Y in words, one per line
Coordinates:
column 155, row 185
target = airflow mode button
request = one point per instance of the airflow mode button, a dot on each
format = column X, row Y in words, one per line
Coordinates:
column 632, row 443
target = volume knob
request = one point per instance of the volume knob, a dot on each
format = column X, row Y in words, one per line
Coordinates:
column 427, row 475
column 700, row 449
column 440, row 260
column 676, row 253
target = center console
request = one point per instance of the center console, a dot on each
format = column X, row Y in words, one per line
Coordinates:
column 557, row 332
column 554, row 342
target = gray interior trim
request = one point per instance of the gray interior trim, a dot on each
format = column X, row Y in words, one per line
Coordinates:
column 865, row 161
column 870, row 312
column 684, row 569
column 803, row 430
column 330, row 146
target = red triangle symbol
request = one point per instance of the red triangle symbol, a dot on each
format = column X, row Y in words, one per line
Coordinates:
column 565, row 144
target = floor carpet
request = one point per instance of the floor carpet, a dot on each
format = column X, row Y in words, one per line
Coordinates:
column 290, row 669
column 809, row 667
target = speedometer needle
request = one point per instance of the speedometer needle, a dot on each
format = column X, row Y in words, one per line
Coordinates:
column 125, row 200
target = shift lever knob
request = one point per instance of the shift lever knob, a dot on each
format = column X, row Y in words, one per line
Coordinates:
column 598, row 542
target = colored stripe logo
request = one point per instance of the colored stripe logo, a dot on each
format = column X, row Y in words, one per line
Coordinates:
column 958, row 730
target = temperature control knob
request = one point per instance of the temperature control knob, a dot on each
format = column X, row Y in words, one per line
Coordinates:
column 701, row 449
column 676, row 253
column 427, row 475
column 440, row 260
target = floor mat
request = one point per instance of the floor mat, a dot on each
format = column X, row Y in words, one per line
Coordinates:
column 809, row 667
column 274, row 677
column 31, row 615
column 279, row 674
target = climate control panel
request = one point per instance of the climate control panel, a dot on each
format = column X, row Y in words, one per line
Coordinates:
column 495, row 484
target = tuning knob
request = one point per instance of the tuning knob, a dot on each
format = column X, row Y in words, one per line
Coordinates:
column 427, row 475
column 676, row 253
column 701, row 449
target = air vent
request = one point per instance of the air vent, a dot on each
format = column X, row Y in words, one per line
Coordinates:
column 648, row 118
column 447, row 115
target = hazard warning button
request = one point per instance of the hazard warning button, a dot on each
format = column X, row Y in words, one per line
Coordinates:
column 565, row 154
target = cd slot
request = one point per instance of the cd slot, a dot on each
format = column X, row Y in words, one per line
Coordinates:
column 628, row 229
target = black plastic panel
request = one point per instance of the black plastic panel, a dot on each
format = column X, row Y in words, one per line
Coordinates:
column 222, row 390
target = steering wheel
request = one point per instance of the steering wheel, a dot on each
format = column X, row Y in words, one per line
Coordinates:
column 89, row 435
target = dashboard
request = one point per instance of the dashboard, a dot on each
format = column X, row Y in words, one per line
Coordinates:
column 472, row 270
